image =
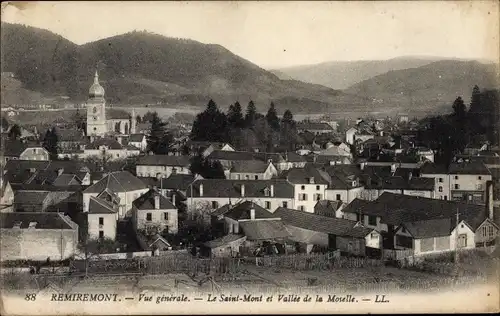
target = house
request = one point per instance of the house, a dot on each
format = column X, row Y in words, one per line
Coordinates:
column 216, row 146
column 162, row 165
column 227, row 158
column 337, row 149
column 154, row 211
column 37, row 236
column 294, row 160
column 138, row 141
column 70, row 139
column 390, row 211
column 102, row 216
column 213, row 193
column 329, row 208
column 260, row 226
column 445, row 234
column 328, row 232
column 226, row 246
column 310, row 186
column 47, row 198
column 252, row 170
column 461, row 181
column 344, row 183
column 20, row 150
column 315, row 128
column 6, row 195
column 122, row 183
column 109, row 148
column 423, row 187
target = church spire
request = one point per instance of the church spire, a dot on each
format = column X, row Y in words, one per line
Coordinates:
column 96, row 77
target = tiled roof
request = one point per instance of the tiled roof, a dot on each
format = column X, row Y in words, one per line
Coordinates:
column 311, row 126
column 313, row 222
column 30, row 197
column 430, row 228
column 293, row 157
column 44, row 220
column 222, row 210
column 13, row 148
column 109, row 142
column 327, row 207
column 432, row 168
column 242, row 211
column 99, row 206
column 118, row 181
column 223, row 240
column 232, row 188
column 147, row 201
column 302, row 175
column 69, row 135
column 250, row 166
column 245, row 155
column 469, row 168
column 399, row 183
column 136, row 138
column 395, row 209
column 263, row 230
column 164, row 160
column 177, row 181
column 117, row 114
column 65, row 179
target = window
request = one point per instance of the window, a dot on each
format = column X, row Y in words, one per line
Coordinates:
column 479, row 187
column 266, row 192
column 215, row 204
column 101, row 234
column 101, row 221
column 302, row 197
column 165, row 216
column 373, row 236
column 440, row 189
column 302, row 208
column 479, row 178
column 462, row 241
column 446, row 198
column 441, row 180
column 403, row 230
column 149, row 217
column 256, row 177
column 247, row 177
column 456, row 177
column 317, row 188
column 372, row 220
column 285, row 204
column 318, row 197
column 303, row 187
column 457, row 186
column 268, row 205
column 337, row 197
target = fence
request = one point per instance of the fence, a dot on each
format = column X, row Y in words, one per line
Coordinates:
column 396, row 254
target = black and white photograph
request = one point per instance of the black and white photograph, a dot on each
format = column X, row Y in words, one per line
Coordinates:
column 249, row 157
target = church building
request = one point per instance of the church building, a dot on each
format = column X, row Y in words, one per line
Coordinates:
column 106, row 122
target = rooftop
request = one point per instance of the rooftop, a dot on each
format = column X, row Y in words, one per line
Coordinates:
column 242, row 212
column 233, row 188
column 43, row 220
column 147, row 201
column 164, row 160
column 118, row 181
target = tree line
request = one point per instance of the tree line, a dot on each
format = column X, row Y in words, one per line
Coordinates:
column 477, row 122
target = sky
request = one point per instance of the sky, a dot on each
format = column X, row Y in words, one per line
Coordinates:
column 282, row 34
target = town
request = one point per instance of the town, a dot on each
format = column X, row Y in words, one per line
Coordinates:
column 108, row 191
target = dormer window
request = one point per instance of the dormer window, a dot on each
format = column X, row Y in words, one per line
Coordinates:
column 266, row 191
column 311, row 180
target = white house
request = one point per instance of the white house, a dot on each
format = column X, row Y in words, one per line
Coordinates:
column 309, row 185
column 102, row 217
column 350, row 135
column 252, row 170
column 162, row 166
column 138, row 141
column 123, row 184
column 154, row 211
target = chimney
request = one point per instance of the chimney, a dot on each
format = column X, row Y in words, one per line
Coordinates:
column 173, row 198
column 393, row 168
column 272, row 190
column 242, row 190
column 201, row 189
column 311, row 180
column 362, row 165
column 410, row 175
column 489, row 200
column 157, row 201
column 252, row 212
column 60, row 171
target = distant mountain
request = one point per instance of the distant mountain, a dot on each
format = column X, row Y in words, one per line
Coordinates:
column 343, row 74
column 429, row 86
column 141, row 68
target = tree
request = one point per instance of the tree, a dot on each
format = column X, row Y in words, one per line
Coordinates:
column 251, row 114
column 92, row 248
column 207, row 169
column 80, row 120
column 235, row 116
column 272, row 118
column 158, row 139
column 289, row 136
column 14, row 132
column 50, row 143
column 138, row 119
column 210, row 125
column 459, row 108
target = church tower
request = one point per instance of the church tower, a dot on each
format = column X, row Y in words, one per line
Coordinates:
column 96, row 110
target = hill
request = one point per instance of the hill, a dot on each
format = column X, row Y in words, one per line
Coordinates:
column 429, row 87
column 145, row 68
column 341, row 75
